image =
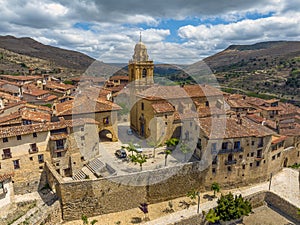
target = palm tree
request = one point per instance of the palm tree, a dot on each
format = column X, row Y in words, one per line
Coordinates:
column 215, row 187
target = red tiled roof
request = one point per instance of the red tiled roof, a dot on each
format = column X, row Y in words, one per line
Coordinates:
column 43, row 127
column 202, row 90
column 162, row 107
column 84, row 104
column 276, row 139
column 119, row 77
column 6, row 176
column 216, row 128
column 34, row 91
column 21, row 78
column 56, row 85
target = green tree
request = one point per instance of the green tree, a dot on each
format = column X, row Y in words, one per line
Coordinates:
column 185, row 149
column 155, row 144
column 193, row 194
column 215, row 187
column 231, row 207
column 211, row 216
column 172, row 142
column 138, row 158
column 84, row 219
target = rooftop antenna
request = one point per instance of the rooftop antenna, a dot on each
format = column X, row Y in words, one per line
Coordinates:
column 140, row 36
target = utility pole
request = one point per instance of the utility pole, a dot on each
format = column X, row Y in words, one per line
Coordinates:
column 270, row 182
column 198, row 194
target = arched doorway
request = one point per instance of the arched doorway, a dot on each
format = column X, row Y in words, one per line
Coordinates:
column 285, row 162
column 105, row 135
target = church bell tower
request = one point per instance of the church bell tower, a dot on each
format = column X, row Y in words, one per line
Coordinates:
column 140, row 67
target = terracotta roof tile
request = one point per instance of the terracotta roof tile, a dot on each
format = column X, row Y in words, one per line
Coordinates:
column 43, row 127
column 6, row 176
column 85, row 104
column 276, row 139
column 162, row 107
column 56, row 85
column 119, row 77
column 213, row 128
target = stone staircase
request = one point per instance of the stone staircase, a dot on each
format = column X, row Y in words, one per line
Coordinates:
column 96, row 167
column 80, row 175
column 93, row 170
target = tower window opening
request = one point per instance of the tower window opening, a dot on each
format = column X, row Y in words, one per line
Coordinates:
column 144, row 74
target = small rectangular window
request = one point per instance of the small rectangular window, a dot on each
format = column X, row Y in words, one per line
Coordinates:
column 5, row 139
column 278, row 155
column 224, row 145
column 34, row 135
column 257, row 163
column 237, row 145
column 16, row 164
column 273, row 157
column 41, row 158
column 19, row 137
column 142, row 105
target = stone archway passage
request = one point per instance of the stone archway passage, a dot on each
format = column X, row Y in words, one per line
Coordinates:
column 105, row 135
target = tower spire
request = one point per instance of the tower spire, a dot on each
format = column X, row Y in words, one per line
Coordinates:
column 140, row 36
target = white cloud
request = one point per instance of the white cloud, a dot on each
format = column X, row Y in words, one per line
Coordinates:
column 112, row 27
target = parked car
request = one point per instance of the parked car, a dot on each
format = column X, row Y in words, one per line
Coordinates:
column 138, row 147
column 121, row 153
column 129, row 132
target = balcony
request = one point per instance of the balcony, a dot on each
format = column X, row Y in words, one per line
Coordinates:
column 7, row 155
column 231, row 162
column 60, row 148
column 33, row 150
column 227, row 151
column 259, row 158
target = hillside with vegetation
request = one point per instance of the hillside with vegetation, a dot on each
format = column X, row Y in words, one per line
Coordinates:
column 267, row 68
column 18, row 55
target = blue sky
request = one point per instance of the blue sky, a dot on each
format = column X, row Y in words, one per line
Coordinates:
column 174, row 31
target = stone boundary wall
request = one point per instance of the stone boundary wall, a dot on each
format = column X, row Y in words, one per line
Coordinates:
column 119, row 193
column 275, row 201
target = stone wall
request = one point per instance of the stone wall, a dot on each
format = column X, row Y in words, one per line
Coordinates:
column 275, row 201
column 102, row 196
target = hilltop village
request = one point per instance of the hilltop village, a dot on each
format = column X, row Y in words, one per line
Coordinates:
column 64, row 134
